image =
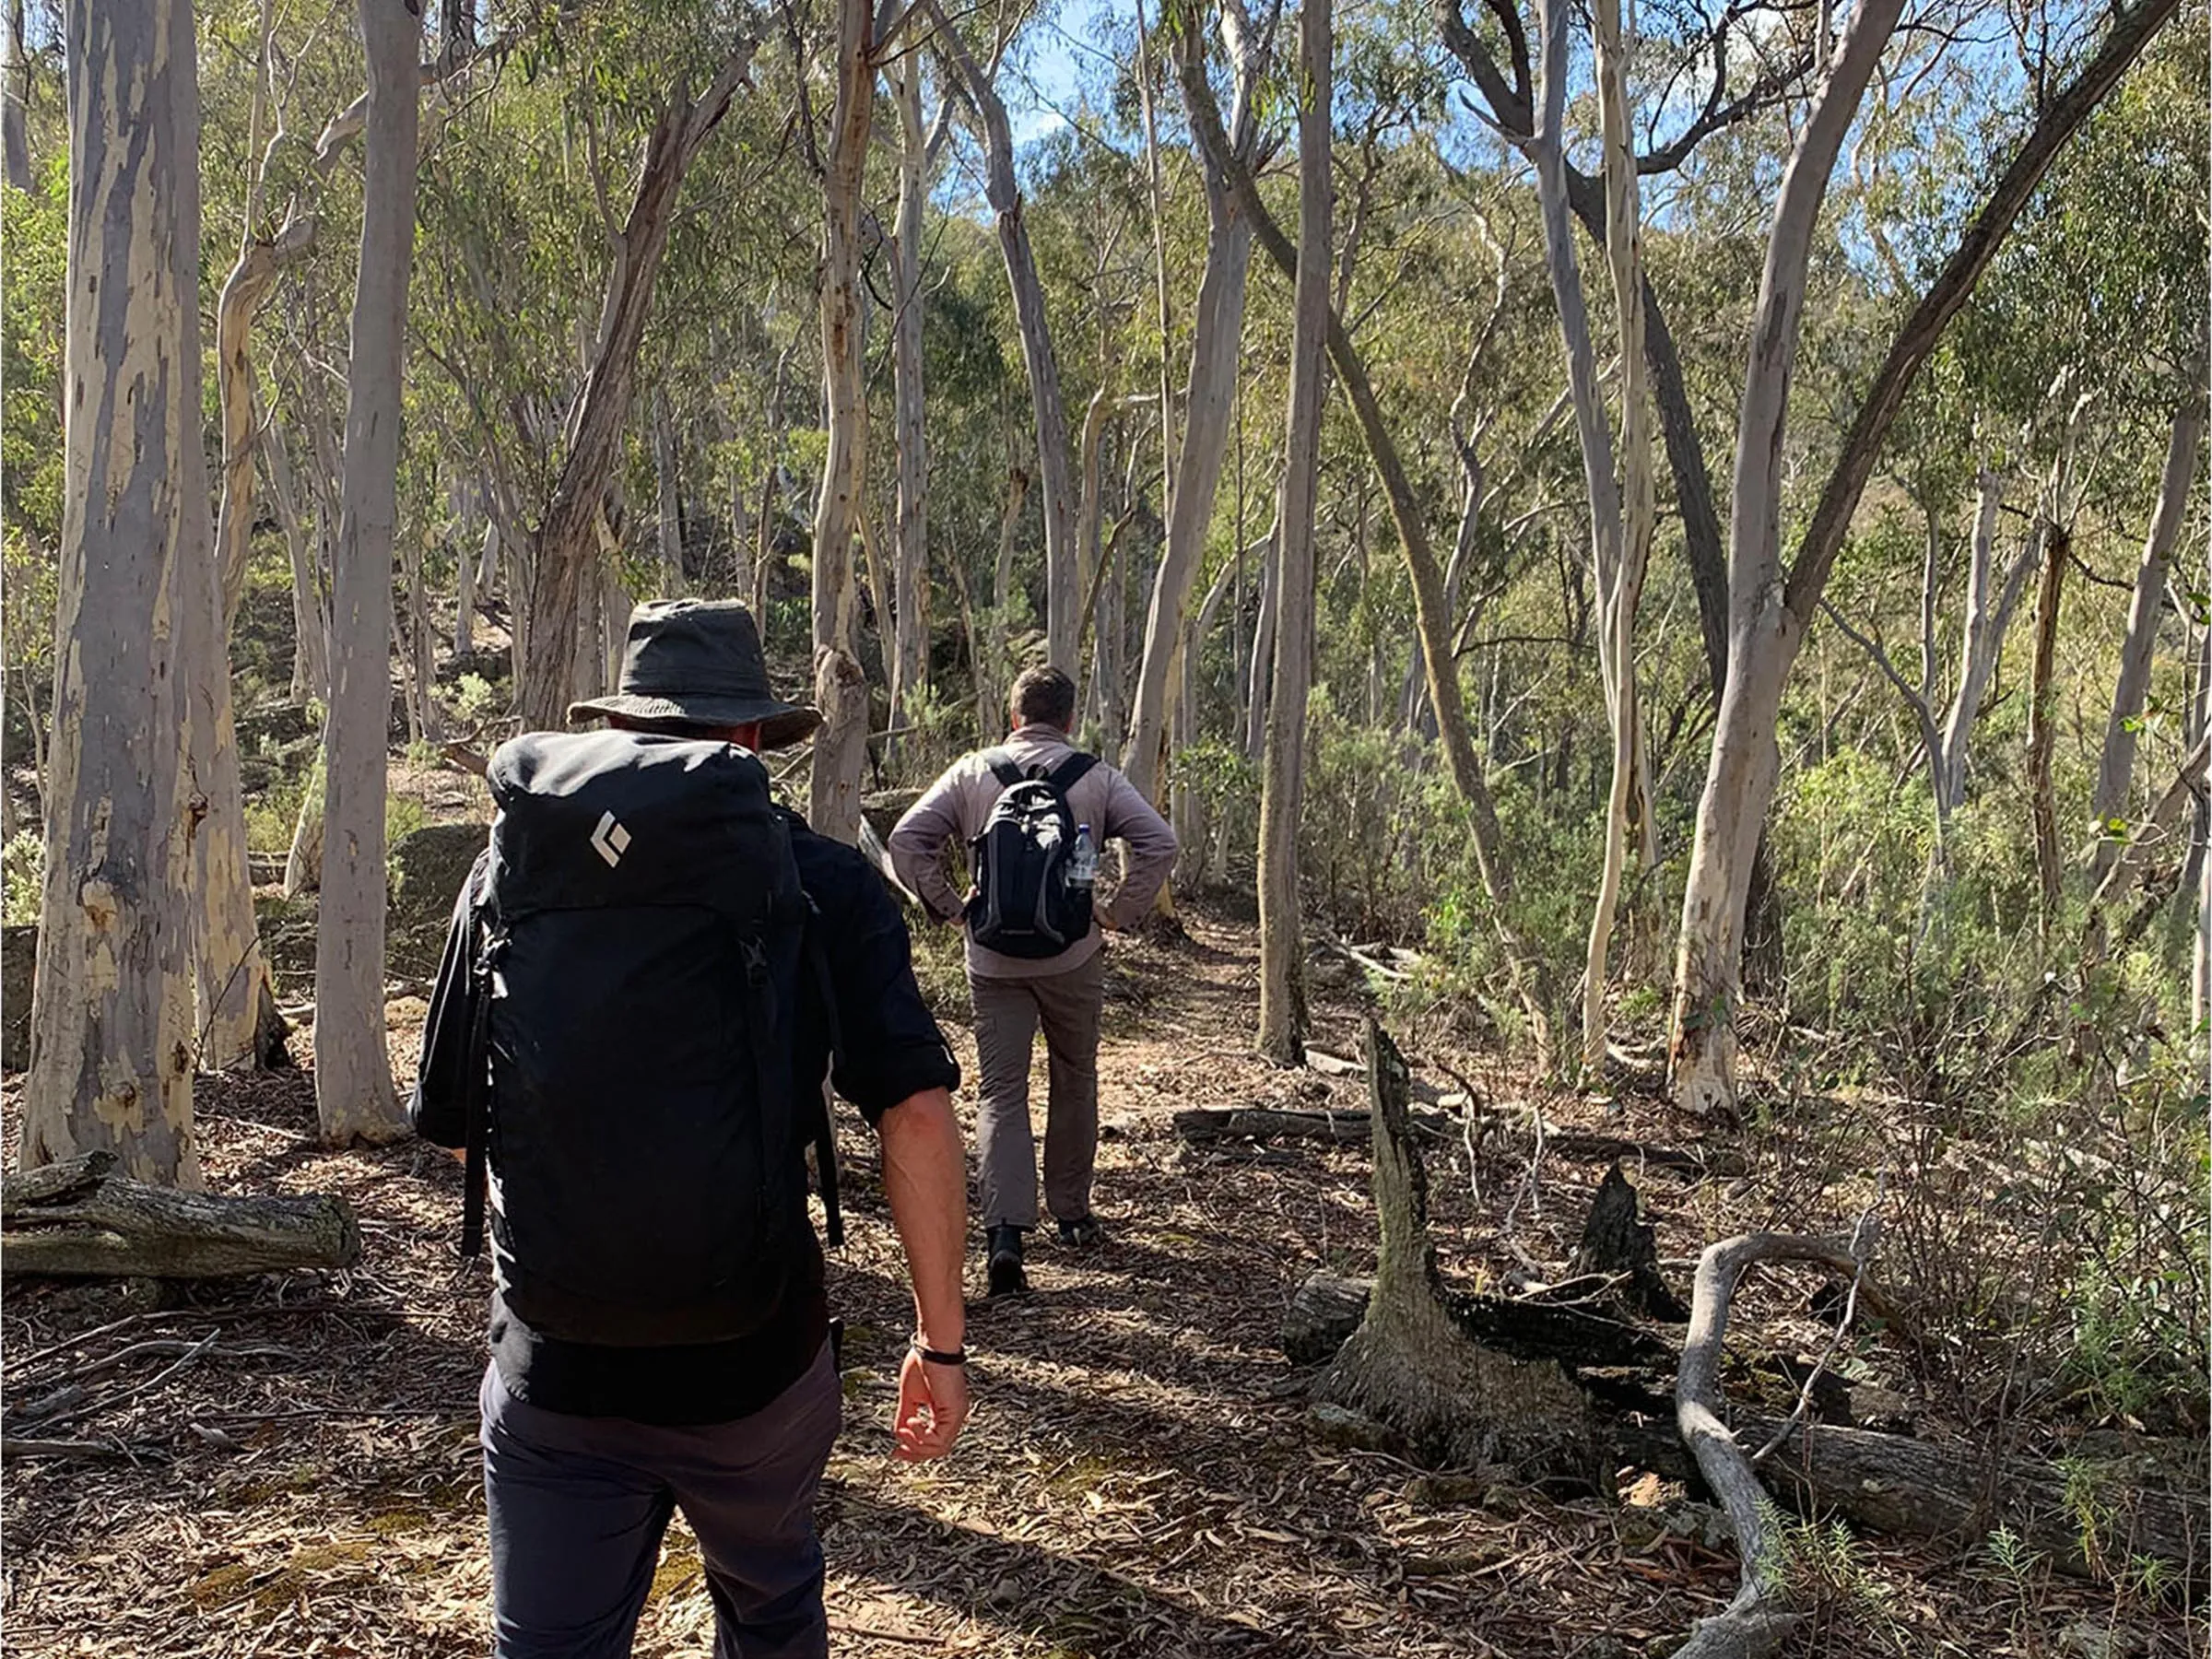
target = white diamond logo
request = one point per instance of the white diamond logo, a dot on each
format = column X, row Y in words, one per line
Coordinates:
column 610, row 840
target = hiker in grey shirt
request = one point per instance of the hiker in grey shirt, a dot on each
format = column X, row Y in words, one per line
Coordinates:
column 1014, row 996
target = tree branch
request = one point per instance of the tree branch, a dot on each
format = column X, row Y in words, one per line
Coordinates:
column 1984, row 234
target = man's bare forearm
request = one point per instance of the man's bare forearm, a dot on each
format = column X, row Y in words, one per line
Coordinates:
column 925, row 1179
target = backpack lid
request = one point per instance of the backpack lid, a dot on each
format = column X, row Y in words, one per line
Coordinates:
column 589, row 819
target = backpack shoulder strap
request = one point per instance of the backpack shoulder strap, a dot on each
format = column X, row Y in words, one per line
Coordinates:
column 825, row 1134
column 1070, row 771
column 1004, row 768
column 487, row 941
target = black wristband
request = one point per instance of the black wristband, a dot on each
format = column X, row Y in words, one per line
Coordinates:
column 939, row 1357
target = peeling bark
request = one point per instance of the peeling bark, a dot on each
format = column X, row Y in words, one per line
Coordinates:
column 840, row 691
column 111, row 1066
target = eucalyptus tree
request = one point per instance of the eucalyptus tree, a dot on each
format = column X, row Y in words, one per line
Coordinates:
column 1771, row 608
column 1283, row 1017
column 1211, row 384
column 1055, row 477
column 1622, row 504
column 840, row 682
column 15, row 86
column 237, row 1010
column 564, row 549
column 354, row 1096
column 112, row 1006
column 1531, row 977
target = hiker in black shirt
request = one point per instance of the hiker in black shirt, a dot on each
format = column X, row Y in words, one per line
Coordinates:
column 590, row 1445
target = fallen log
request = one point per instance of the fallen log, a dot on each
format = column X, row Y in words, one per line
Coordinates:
column 1202, row 1126
column 1324, row 1311
column 1205, row 1123
column 1884, row 1482
column 1471, row 1380
column 79, row 1219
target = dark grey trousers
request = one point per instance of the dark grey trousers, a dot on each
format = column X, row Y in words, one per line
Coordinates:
column 1007, row 1012
column 577, row 1506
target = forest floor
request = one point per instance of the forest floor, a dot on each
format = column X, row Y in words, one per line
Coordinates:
column 1141, row 1475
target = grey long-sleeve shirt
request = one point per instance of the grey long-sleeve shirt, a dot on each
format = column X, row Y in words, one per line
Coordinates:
column 959, row 802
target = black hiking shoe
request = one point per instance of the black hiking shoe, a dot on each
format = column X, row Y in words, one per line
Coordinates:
column 1081, row 1233
column 1004, row 1254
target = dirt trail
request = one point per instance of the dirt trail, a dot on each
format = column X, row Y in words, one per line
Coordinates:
column 1139, row 1478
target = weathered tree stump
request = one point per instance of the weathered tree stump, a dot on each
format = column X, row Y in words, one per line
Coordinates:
column 1414, row 1362
column 1616, row 1240
column 79, row 1219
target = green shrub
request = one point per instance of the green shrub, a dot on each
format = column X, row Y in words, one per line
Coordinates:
column 23, row 864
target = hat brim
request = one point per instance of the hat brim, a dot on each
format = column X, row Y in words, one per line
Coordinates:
column 781, row 723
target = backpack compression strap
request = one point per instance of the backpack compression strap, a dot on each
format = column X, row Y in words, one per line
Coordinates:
column 477, row 1113
column 825, row 1134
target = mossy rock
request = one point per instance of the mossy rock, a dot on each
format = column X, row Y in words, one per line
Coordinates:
column 428, row 866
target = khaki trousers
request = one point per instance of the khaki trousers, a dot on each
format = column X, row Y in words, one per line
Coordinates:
column 1007, row 1012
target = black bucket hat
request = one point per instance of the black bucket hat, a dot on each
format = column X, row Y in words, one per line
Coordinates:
column 699, row 660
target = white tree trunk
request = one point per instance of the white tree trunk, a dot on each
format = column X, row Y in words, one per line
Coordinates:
column 112, row 1006
column 466, row 560
column 1987, row 616
column 841, row 748
column 1768, row 612
column 1621, row 509
column 1055, row 483
column 616, row 607
column 310, row 627
column 15, row 80
column 236, row 1005
column 910, row 649
column 1630, row 803
column 1283, row 1022
column 668, row 501
column 2117, row 764
column 1262, row 664
column 354, row 1096
column 1210, row 390
column 1764, row 633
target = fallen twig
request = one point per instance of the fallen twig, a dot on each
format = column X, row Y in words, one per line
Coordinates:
column 100, row 1451
column 107, row 1402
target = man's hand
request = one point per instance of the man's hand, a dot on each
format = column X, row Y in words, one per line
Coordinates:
column 932, row 1404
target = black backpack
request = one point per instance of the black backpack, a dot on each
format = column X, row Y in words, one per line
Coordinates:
column 1024, row 904
column 642, row 934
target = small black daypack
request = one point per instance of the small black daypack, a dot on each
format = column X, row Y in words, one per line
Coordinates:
column 640, row 941
column 1024, row 904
